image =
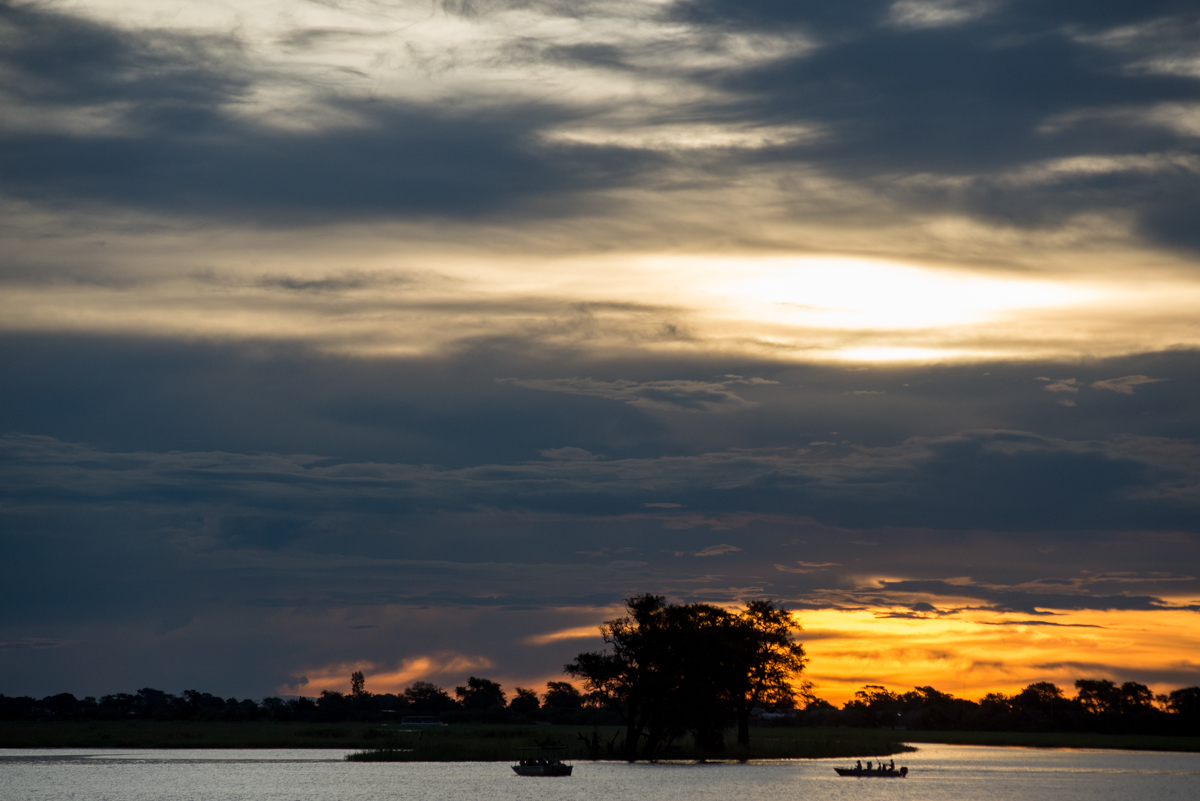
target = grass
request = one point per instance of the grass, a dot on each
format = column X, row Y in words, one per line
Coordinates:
column 500, row 743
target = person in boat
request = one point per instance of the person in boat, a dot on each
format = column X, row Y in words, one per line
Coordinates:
column 859, row 765
column 891, row 765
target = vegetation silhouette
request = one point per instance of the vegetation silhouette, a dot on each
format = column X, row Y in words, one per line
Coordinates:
column 672, row 670
column 670, row 673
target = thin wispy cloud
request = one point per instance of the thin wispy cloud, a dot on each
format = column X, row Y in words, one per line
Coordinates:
column 671, row 395
column 1125, row 384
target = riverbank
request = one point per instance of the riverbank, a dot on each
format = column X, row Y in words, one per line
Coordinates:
column 467, row 742
column 498, row 743
column 457, row 743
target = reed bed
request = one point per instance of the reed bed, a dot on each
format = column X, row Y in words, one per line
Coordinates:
column 501, row 743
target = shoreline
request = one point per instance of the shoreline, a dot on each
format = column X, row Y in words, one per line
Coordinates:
column 482, row 742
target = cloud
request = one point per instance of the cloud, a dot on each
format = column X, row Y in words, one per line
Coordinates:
column 569, row 454
column 1015, row 66
column 996, row 480
column 670, row 395
column 717, row 550
column 387, row 678
column 936, row 13
column 1012, row 599
column 1125, row 384
column 173, row 136
column 384, row 117
column 1061, row 385
column 32, row 643
column 268, row 267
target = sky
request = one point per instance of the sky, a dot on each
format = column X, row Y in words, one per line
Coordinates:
column 412, row 337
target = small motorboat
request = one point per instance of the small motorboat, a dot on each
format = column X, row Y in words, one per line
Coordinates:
column 882, row 771
column 547, row 764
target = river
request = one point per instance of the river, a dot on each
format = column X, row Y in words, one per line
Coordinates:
column 937, row 773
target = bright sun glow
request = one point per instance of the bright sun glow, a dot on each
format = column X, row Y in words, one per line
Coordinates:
column 845, row 293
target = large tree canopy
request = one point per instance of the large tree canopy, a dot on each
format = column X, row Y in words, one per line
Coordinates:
column 674, row 669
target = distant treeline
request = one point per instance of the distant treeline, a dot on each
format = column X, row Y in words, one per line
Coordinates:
column 1099, row 706
column 480, row 701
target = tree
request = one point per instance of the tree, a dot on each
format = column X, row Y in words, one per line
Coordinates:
column 1134, row 697
column 874, row 705
column 1185, row 702
column 524, row 701
column 1041, row 695
column 1097, row 696
column 358, row 684
column 671, row 669
column 480, row 694
column 428, row 699
column 770, row 662
column 563, row 695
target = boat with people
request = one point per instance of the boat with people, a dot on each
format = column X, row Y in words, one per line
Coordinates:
column 544, row 761
column 880, row 771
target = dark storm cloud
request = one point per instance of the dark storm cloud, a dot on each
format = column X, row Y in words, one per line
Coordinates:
column 58, row 60
column 1013, row 600
column 174, row 143
column 975, row 108
column 948, row 116
column 279, row 477
column 983, row 480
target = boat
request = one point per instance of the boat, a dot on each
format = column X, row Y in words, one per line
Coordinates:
column 547, row 764
column 881, row 772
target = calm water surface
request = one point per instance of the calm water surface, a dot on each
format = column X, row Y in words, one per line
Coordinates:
column 938, row 773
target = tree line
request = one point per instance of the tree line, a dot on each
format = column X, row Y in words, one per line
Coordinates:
column 479, row 700
column 671, row 671
column 1099, row 706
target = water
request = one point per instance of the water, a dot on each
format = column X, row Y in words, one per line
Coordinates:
column 938, row 773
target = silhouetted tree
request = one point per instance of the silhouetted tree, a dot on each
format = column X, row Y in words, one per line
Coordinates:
column 1185, row 701
column 874, row 705
column 1097, row 695
column 767, row 663
column 425, row 698
column 677, row 668
column 480, row 694
column 358, row 684
column 524, row 701
column 1134, row 698
column 563, row 695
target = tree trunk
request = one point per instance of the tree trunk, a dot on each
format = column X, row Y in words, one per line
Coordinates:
column 633, row 733
column 743, row 719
